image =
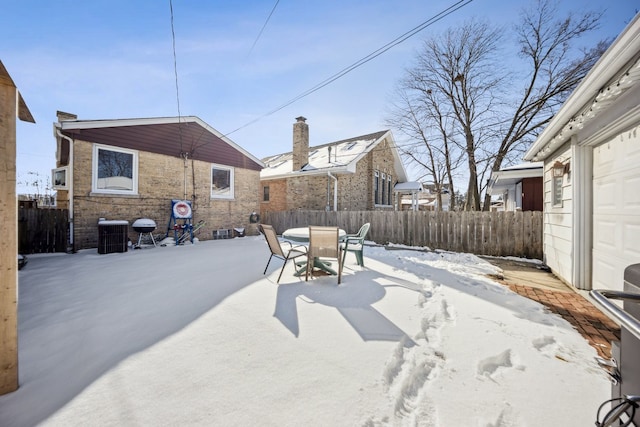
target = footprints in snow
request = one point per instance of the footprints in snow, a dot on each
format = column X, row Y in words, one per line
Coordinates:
column 415, row 362
column 491, row 366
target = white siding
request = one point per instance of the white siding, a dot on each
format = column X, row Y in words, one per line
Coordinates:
column 558, row 220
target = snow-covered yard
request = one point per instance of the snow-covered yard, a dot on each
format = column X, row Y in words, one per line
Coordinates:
column 196, row 335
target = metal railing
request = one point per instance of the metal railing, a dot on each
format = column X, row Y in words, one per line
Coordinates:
column 603, row 297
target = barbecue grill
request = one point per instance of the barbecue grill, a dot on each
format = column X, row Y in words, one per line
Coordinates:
column 142, row 226
column 624, row 366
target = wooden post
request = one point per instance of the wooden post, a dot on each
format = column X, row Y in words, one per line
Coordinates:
column 11, row 105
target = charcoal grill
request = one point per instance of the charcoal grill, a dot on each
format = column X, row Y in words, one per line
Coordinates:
column 142, row 226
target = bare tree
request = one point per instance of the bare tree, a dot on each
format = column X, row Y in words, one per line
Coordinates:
column 417, row 117
column 453, row 81
column 460, row 81
column 547, row 46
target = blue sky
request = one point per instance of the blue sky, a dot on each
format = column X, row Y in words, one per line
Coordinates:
column 114, row 59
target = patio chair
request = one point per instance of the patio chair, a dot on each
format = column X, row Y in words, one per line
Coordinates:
column 323, row 243
column 355, row 243
column 277, row 251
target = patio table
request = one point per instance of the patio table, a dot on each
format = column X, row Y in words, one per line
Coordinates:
column 301, row 235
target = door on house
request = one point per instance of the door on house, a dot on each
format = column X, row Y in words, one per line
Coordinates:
column 532, row 196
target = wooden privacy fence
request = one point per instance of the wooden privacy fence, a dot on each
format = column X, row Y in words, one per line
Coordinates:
column 42, row 230
column 516, row 234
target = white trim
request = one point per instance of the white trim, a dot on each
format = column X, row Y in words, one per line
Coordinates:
column 323, row 172
column 582, row 215
column 94, row 171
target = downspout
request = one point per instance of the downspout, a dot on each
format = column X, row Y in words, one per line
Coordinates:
column 335, row 191
column 70, row 178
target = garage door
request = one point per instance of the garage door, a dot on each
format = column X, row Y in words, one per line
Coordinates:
column 616, row 209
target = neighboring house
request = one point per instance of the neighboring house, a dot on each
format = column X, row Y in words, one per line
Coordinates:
column 127, row 169
column 591, row 155
column 12, row 107
column 354, row 174
column 424, row 197
column 519, row 187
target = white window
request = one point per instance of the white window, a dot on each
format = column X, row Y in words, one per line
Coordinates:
column 115, row 170
column 376, row 188
column 221, row 182
column 59, row 178
column 389, row 193
column 557, row 191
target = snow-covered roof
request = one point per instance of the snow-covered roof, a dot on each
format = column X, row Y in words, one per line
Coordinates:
column 524, row 166
column 408, row 186
column 335, row 157
column 511, row 175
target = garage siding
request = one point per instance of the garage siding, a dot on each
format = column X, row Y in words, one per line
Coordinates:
column 558, row 220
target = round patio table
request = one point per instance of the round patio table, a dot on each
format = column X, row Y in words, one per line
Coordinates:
column 301, row 235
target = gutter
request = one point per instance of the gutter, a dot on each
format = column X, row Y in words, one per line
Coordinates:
column 622, row 53
column 316, row 172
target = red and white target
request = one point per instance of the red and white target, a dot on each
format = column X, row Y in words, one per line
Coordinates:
column 182, row 209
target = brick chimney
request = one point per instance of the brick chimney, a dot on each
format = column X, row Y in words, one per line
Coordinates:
column 62, row 116
column 300, row 143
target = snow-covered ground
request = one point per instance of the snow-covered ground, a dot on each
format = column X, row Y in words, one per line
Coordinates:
column 197, row 336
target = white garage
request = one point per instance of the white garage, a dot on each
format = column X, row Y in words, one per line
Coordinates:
column 616, row 208
column 591, row 153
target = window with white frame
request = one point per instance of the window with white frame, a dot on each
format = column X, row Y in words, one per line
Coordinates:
column 383, row 199
column 389, row 193
column 557, row 190
column 221, row 182
column 115, row 170
column 376, row 188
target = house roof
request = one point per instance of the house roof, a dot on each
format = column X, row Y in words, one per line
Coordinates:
column 345, row 154
column 608, row 91
column 510, row 176
column 170, row 136
column 408, row 187
column 23, row 112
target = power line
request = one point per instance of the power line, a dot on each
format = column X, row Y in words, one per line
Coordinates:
column 175, row 72
column 446, row 12
column 263, row 27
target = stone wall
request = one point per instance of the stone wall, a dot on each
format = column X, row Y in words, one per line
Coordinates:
column 277, row 196
column 161, row 179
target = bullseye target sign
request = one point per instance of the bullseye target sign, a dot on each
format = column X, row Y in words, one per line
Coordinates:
column 181, row 209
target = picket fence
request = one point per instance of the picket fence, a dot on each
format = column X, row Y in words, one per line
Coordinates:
column 517, row 234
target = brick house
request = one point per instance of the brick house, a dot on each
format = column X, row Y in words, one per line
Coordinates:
column 127, row 169
column 354, row 174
